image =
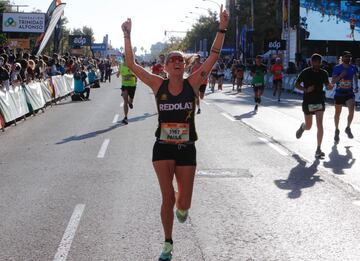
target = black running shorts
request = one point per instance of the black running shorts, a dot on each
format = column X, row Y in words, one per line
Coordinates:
column 182, row 154
column 307, row 108
column 341, row 100
column 258, row 88
column 130, row 91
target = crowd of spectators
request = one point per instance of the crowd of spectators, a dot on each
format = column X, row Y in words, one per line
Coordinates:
column 18, row 67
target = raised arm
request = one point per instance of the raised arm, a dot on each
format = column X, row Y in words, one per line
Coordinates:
column 152, row 80
column 200, row 75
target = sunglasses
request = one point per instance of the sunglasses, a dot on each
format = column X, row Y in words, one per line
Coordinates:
column 174, row 59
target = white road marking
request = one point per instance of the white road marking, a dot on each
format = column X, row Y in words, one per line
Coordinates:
column 103, row 148
column 273, row 146
column 228, row 116
column 356, row 203
column 206, row 102
column 122, row 104
column 69, row 234
column 116, row 118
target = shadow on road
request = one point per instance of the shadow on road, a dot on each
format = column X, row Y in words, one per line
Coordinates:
column 337, row 162
column 300, row 177
column 247, row 115
column 99, row 132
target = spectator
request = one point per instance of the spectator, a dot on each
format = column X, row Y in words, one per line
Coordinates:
column 4, row 75
column 30, row 71
column 15, row 78
column 80, row 83
column 108, row 70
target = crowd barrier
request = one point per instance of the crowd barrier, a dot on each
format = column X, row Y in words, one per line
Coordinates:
column 28, row 98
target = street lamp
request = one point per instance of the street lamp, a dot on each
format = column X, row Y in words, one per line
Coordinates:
column 206, row 9
column 186, row 22
column 213, row 2
column 194, row 13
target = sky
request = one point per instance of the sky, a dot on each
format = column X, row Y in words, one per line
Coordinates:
column 150, row 18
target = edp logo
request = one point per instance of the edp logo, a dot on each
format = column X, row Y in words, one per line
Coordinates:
column 274, row 45
column 80, row 40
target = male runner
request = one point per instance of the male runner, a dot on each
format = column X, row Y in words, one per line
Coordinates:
column 258, row 72
column 128, row 88
column 345, row 75
column 311, row 81
column 277, row 70
column 158, row 68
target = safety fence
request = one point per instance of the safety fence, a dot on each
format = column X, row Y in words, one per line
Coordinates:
column 24, row 99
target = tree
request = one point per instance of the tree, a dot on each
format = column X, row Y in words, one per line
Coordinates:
column 205, row 28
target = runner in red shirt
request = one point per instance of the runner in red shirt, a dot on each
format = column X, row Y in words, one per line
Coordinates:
column 158, row 68
column 277, row 71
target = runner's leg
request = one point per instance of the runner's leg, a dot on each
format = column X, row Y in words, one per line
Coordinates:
column 338, row 108
column 165, row 170
column 351, row 107
column 125, row 96
column 320, row 129
column 185, row 179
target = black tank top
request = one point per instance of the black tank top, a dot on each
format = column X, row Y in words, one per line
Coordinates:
column 176, row 114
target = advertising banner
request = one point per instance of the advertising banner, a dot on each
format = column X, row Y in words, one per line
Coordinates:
column 98, row 47
column 18, row 43
column 23, row 22
column 79, row 40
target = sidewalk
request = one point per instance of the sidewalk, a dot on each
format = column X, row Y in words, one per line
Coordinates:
column 280, row 121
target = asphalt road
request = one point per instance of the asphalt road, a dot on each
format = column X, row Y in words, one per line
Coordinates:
column 75, row 184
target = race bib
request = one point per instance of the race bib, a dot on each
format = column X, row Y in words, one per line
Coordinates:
column 127, row 77
column 345, row 84
column 315, row 107
column 175, row 132
column 258, row 84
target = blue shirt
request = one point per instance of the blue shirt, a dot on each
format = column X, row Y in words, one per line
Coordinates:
column 78, row 85
column 344, row 87
column 91, row 76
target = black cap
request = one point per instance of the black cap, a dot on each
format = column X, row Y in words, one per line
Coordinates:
column 347, row 53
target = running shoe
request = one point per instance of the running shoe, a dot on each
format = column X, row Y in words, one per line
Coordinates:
column 349, row 133
column 125, row 121
column 300, row 131
column 181, row 215
column 166, row 253
column 319, row 153
column 199, row 111
column 131, row 105
column 256, row 107
column 336, row 137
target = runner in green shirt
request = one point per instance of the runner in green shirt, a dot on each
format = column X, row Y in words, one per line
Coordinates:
column 258, row 72
column 128, row 88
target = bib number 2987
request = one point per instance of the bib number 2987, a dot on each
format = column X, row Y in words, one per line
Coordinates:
column 174, row 132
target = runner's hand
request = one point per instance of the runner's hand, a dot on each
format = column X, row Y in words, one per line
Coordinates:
column 224, row 18
column 126, row 27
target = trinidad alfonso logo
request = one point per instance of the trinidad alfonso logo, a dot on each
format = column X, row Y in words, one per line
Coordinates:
column 10, row 22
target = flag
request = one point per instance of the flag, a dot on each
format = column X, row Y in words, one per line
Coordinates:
column 55, row 17
column 49, row 12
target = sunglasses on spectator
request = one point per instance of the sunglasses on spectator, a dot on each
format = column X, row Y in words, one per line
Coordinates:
column 174, row 59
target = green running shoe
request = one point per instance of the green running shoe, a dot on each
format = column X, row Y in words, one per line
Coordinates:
column 182, row 215
column 166, row 254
